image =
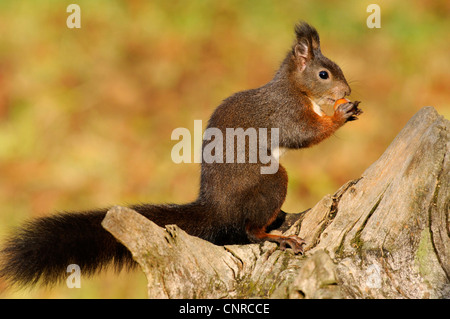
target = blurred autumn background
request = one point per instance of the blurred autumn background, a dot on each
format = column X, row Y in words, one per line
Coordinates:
column 86, row 114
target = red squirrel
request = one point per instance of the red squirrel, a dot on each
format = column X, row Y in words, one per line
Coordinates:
column 236, row 204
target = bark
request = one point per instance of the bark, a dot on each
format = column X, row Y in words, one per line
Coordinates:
column 383, row 235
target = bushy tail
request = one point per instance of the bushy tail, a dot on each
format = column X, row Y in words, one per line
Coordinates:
column 41, row 250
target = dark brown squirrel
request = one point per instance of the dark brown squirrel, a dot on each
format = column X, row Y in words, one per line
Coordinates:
column 236, row 203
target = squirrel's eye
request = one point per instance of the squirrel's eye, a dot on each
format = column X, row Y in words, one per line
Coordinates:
column 323, row 75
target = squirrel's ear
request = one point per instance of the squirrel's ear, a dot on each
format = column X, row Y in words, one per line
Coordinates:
column 308, row 42
column 307, row 33
column 302, row 54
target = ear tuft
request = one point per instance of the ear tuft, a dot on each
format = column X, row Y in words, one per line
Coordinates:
column 307, row 34
column 307, row 44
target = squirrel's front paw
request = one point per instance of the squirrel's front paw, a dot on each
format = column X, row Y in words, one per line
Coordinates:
column 348, row 111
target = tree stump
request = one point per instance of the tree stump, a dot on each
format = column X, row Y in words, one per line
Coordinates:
column 383, row 235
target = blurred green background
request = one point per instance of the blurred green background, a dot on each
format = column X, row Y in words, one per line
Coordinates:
column 86, row 114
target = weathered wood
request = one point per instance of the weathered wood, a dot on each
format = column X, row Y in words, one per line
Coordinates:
column 389, row 232
column 384, row 235
column 178, row 265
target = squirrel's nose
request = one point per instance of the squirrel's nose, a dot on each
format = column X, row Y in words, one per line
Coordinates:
column 348, row 91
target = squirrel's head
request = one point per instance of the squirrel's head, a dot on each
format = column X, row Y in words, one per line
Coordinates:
column 314, row 74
